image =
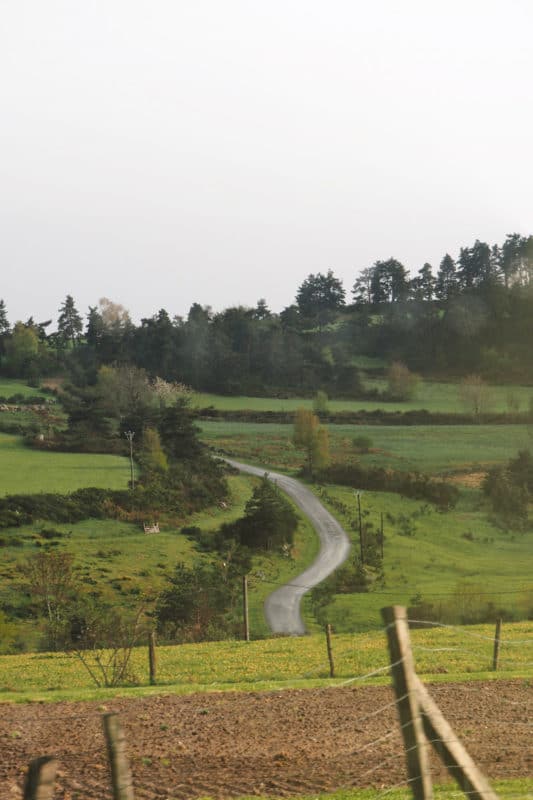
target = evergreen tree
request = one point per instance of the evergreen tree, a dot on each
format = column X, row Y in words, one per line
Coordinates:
column 447, row 283
column 423, row 285
column 389, row 282
column 95, row 327
column 69, row 323
column 4, row 324
column 362, row 288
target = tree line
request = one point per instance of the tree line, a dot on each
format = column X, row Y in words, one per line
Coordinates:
column 472, row 314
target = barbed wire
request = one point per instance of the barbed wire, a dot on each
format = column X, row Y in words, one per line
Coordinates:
column 383, row 593
column 464, row 630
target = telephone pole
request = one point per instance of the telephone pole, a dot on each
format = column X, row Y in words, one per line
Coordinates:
column 129, row 436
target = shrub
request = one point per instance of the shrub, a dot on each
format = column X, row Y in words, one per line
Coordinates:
column 362, row 443
column 401, row 382
column 377, row 479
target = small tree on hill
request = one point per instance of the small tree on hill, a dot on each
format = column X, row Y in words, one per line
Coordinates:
column 270, row 520
column 310, row 436
column 152, row 456
column 475, row 395
column 401, row 381
column 52, row 584
column 320, row 402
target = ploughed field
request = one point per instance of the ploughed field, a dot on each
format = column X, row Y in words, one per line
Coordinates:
column 272, row 743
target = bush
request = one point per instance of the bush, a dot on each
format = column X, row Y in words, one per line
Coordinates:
column 362, row 443
column 401, row 382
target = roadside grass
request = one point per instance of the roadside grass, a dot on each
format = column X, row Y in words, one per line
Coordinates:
column 27, row 471
column 441, row 654
column 430, row 395
column 458, row 561
column 431, row 449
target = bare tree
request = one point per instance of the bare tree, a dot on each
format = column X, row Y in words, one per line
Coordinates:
column 103, row 640
column 52, row 583
column 475, row 395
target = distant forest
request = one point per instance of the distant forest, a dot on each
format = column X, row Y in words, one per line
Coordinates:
column 472, row 314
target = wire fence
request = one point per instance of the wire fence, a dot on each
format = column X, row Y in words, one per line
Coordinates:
column 365, row 750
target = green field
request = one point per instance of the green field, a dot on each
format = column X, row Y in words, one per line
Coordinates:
column 459, row 561
column 522, row 788
column 431, row 449
column 124, row 564
column 435, row 397
column 9, row 387
column 27, row 471
column 454, row 653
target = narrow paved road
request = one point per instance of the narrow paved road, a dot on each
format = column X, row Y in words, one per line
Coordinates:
column 282, row 607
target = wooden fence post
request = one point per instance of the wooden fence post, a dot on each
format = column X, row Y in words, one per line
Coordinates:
column 245, row 608
column 405, row 686
column 497, row 635
column 330, row 651
column 39, row 784
column 152, row 658
column 116, row 749
column 451, row 751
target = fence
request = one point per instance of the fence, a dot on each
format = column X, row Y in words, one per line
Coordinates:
column 361, row 741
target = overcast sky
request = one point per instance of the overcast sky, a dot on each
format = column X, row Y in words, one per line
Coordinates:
column 163, row 152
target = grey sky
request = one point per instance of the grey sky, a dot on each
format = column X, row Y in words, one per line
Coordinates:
column 164, row 152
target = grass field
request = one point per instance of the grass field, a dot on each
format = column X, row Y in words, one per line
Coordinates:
column 459, row 561
column 26, row 471
column 121, row 562
column 435, row 397
column 431, row 449
column 452, row 653
column 522, row 788
column 9, row 387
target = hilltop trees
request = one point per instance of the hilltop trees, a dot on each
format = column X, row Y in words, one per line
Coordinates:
column 475, row 314
column 319, row 296
column 69, row 323
column 22, row 349
column 447, row 282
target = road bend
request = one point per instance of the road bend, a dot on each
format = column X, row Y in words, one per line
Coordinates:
column 282, row 607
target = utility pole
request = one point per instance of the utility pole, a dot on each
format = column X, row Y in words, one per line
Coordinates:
column 129, row 436
column 361, row 538
column 245, row 608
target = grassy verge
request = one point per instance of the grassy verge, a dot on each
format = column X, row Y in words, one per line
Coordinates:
column 452, row 653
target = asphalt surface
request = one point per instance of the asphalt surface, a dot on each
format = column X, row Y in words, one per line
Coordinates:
column 282, row 607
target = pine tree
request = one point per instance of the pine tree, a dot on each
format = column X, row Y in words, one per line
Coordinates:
column 4, row 324
column 446, row 284
column 69, row 323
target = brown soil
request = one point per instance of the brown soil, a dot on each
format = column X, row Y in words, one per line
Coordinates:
column 274, row 743
column 473, row 480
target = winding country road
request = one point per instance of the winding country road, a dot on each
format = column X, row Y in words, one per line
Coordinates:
column 282, row 607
